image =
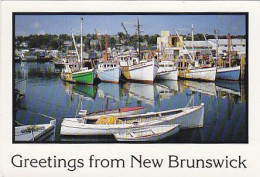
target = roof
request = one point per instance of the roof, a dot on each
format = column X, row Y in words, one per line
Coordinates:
column 197, row 43
column 225, row 41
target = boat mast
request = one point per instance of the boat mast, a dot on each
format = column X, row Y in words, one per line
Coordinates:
column 138, row 32
column 229, row 50
column 192, row 39
column 216, row 34
column 106, row 46
column 81, row 42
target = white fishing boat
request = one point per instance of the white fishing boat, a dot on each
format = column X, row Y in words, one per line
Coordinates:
column 143, row 71
column 109, row 72
column 167, row 71
column 151, row 133
column 205, row 74
column 125, row 111
column 189, row 117
column 34, row 132
column 135, row 69
column 195, row 71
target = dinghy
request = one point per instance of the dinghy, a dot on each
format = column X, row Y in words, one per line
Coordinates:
column 34, row 132
column 189, row 117
column 151, row 133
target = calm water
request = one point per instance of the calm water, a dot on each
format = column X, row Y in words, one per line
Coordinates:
column 45, row 94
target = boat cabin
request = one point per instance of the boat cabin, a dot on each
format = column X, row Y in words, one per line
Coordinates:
column 107, row 65
column 127, row 60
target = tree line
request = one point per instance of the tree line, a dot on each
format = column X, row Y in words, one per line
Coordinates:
column 55, row 42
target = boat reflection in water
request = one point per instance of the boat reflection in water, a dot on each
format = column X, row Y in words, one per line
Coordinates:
column 167, row 88
column 144, row 93
column 85, row 91
column 228, row 87
column 208, row 88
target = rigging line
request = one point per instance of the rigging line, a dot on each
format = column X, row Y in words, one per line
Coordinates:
column 52, row 118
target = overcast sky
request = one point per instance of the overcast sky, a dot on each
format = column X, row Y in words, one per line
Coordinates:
column 151, row 24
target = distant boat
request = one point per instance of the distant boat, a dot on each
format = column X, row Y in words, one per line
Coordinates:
column 109, row 72
column 167, row 71
column 34, row 132
column 189, row 117
column 151, row 133
column 229, row 73
column 125, row 111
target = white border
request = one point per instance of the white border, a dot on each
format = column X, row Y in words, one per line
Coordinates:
column 247, row 151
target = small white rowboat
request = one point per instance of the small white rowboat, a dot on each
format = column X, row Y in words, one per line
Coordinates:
column 34, row 132
column 151, row 133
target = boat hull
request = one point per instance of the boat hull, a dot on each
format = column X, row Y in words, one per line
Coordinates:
column 111, row 75
column 83, row 77
column 167, row 75
column 153, row 133
column 142, row 72
column 23, row 133
column 231, row 73
column 205, row 74
column 191, row 117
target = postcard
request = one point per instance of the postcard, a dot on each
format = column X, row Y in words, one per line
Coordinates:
column 111, row 88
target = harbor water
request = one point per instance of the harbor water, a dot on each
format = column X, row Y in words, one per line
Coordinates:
column 47, row 96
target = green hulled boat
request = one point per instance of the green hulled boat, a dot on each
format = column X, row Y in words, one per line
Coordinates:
column 75, row 74
column 81, row 71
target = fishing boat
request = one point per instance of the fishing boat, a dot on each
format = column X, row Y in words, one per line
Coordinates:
column 135, row 69
column 109, row 72
column 167, row 71
column 195, row 71
column 151, row 133
column 140, row 71
column 79, row 72
column 125, row 111
column 34, row 132
column 229, row 73
column 204, row 74
column 189, row 117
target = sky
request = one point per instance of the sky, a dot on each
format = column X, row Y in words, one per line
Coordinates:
column 151, row 24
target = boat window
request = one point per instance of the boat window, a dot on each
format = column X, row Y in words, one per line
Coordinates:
column 170, row 65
